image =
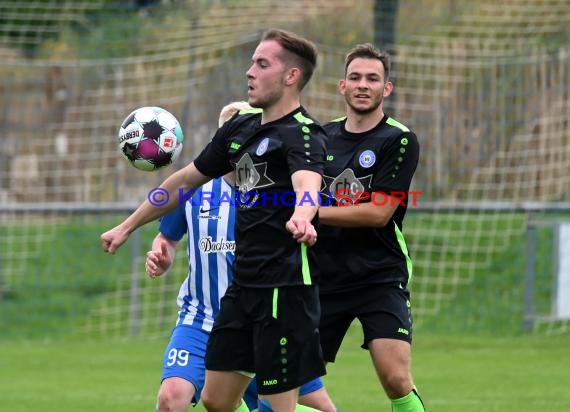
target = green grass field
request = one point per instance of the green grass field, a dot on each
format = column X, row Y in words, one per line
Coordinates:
column 467, row 374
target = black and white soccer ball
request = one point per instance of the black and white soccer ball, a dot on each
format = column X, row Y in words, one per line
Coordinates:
column 150, row 138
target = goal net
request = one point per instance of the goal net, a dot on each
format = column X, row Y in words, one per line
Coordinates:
column 484, row 86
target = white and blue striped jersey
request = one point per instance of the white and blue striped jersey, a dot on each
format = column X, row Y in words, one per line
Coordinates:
column 208, row 221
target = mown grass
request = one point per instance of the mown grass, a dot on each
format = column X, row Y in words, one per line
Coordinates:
column 468, row 374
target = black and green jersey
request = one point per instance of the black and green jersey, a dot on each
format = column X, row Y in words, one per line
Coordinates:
column 364, row 167
column 264, row 157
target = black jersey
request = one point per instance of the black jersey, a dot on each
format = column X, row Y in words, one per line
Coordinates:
column 363, row 167
column 264, row 157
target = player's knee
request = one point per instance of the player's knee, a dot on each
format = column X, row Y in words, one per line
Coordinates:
column 325, row 405
column 214, row 403
column 398, row 385
column 319, row 400
column 172, row 397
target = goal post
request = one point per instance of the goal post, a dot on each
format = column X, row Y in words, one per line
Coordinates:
column 548, row 305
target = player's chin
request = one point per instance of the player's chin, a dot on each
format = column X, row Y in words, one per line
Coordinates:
column 362, row 106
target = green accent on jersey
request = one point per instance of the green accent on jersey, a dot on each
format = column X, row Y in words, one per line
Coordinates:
column 338, row 119
column 305, row 265
column 275, row 300
column 235, row 145
column 302, row 119
column 397, row 124
column 253, row 110
column 404, row 247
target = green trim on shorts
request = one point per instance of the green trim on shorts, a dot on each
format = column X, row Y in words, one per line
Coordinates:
column 305, row 265
column 275, row 299
column 404, row 247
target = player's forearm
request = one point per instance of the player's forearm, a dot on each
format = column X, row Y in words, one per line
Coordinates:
column 306, row 204
column 306, row 185
column 165, row 198
column 362, row 215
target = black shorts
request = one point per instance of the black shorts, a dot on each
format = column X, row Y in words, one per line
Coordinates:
column 270, row 331
column 384, row 311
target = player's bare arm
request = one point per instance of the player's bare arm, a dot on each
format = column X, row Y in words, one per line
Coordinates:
column 184, row 179
column 358, row 215
column 160, row 258
column 306, row 185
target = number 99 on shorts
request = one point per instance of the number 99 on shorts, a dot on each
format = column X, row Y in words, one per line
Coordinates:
column 178, row 357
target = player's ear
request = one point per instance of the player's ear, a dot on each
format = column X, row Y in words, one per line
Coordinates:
column 341, row 86
column 388, row 87
column 293, row 76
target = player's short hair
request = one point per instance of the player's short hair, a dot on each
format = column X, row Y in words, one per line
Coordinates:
column 230, row 109
column 303, row 51
column 368, row 51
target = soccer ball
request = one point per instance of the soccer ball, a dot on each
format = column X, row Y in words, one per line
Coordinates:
column 150, row 138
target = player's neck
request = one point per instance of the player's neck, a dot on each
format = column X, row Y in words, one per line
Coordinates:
column 360, row 123
column 279, row 109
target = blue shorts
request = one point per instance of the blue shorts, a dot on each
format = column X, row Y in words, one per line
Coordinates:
column 184, row 358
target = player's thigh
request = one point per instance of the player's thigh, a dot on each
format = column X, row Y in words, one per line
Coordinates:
column 184, row 358
column 315, row 395
column 224, row 389
column 336, row 317
column 283, row 401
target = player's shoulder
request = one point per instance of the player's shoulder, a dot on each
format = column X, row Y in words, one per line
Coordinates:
column 334, row 124
column 395, row 127
column 244, row 116
column 301, row 123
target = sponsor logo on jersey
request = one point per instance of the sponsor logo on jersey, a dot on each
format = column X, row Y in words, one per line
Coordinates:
column 208, row 245
column 345, row 185
column 250, row 176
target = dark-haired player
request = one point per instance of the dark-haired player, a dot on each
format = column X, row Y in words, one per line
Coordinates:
column 364, row 260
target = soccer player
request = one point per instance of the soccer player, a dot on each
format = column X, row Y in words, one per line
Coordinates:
column 209, row 225
column 268, row 319
column 365, row 264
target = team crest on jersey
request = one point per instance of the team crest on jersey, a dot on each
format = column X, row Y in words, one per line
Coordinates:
column 250, row 176
column 262, row 148
column 367, row 158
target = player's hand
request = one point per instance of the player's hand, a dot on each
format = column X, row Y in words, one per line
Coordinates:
column 113, row 239
column 158, row 261
column 302, row 230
